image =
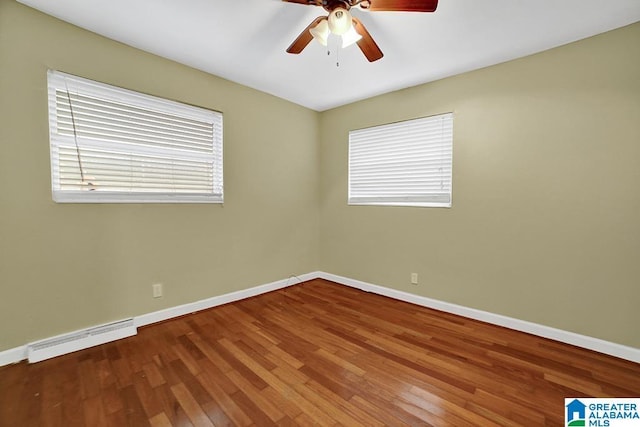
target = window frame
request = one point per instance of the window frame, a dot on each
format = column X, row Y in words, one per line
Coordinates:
column 376, row 143
column 168, row 152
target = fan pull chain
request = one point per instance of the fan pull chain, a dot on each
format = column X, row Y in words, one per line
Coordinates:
column 337, row 53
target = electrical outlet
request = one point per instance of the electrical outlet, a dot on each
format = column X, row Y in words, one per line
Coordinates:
column 414, row 278
column 157, row 290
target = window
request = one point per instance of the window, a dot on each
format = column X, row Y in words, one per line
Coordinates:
column 111, row 145
column 402, row 164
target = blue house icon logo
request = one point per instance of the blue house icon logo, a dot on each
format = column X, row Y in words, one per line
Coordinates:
column 576, row 413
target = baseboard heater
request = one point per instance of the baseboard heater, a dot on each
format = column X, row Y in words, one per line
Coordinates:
column 79, row 340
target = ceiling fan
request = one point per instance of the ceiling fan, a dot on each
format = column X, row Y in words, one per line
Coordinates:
column 341, row 23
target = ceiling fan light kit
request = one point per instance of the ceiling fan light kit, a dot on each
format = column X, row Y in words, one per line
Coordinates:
column 341, row 23
column 350, row 37
column 321, row 32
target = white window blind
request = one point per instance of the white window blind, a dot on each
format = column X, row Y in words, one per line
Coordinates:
column 405, row 164
column 111, row 145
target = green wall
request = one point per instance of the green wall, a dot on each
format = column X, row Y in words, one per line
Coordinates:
column 68, row 266
column 545, row 223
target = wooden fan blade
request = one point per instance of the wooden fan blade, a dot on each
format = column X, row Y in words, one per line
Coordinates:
column 309, row 2
column 304, row 38
column 366, row 43
column 404, row 5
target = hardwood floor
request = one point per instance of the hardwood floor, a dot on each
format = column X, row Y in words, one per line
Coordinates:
column 316, row 353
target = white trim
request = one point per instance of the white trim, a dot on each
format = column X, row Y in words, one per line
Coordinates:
column 130, row 147
column 13, row 355
column 406, row 163
column 590, row 343
column 17, row 354
column 181, row 310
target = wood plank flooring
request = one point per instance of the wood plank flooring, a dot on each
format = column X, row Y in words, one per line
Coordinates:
column 316, row 353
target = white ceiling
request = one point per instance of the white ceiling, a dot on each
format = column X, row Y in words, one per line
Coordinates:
column 245, row 40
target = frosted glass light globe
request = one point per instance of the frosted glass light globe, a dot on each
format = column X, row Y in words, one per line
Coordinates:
column 339, row 21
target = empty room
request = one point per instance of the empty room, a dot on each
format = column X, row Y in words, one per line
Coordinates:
column 306, row 212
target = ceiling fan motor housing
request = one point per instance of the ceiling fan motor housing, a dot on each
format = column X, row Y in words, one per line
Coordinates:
column 331, row 5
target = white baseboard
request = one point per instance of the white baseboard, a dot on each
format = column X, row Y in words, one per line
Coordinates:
column 181, row 310
column 13, row 355
column 595, row 344
column 17, row 354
